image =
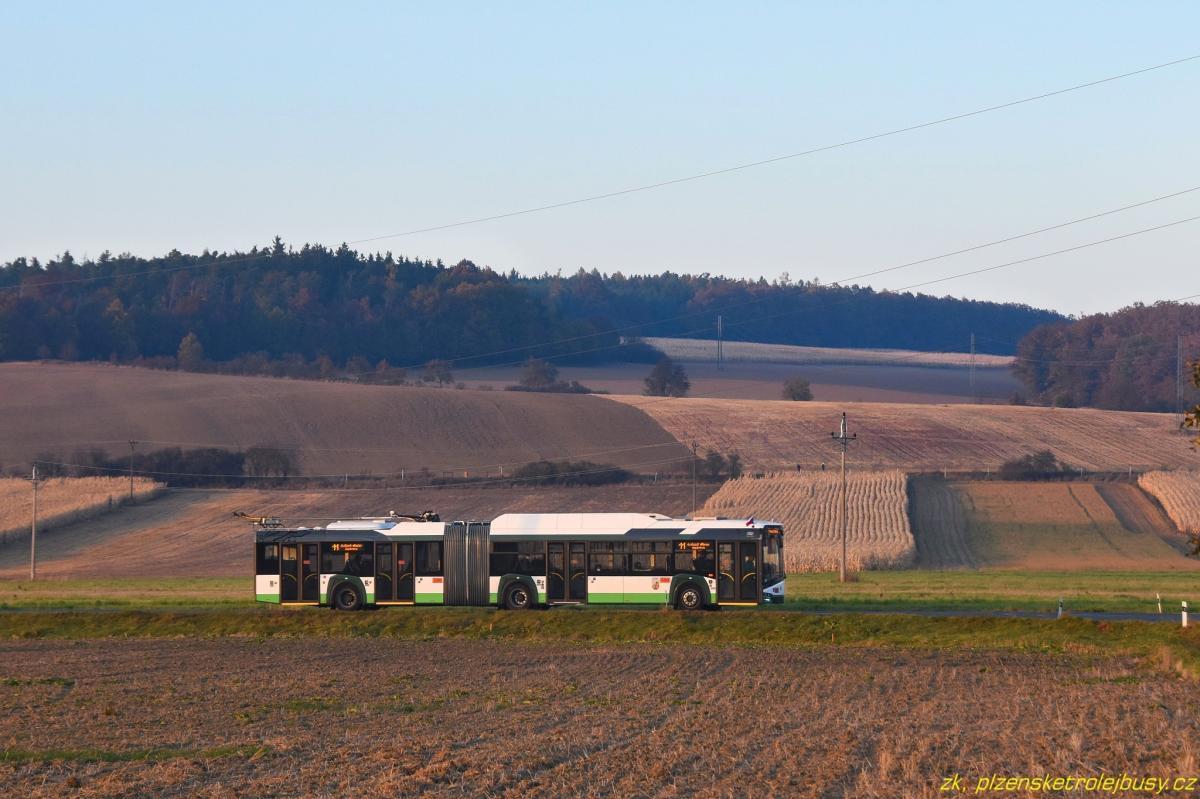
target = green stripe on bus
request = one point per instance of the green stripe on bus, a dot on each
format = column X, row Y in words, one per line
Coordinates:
column 428, row 599
column 493, row 599
column 267, row 597
column 653, row 598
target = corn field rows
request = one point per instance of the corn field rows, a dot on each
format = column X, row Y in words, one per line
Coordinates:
column 1179, row 494
column 63, row 500
column 808, row 504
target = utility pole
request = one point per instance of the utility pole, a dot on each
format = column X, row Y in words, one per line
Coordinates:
column 132, row 444
column 695, row 446
column 720, row 342
column 1179, row 374
column 843, row 437
column 33, row 527
column 972, row 366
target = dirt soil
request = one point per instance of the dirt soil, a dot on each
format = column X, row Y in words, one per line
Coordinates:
column 378, row 717
column 781, row 435
column 193, row 533
column 335, row 428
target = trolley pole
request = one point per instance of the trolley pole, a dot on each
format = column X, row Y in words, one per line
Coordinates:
column 132, row 444
column 843, row 437
column 33, row 527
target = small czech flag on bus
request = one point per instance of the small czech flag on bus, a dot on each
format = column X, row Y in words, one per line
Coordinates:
column 750, row 523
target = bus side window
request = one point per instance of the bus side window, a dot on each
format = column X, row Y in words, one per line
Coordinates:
column 504, row 557
column 268, row 559
column 429, row 558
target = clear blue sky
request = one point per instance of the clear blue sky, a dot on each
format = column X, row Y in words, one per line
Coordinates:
column 142, row 127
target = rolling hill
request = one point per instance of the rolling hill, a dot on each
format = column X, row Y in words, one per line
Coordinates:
column 335, row 428
column 772, row 436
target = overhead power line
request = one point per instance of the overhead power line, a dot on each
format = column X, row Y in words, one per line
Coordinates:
column 786, row 157
column 663, row 184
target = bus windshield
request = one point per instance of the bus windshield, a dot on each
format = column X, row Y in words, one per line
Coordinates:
column 772, row 566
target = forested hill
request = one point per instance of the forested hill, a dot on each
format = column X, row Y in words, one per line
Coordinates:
column 1126, row 360
column 338, row 303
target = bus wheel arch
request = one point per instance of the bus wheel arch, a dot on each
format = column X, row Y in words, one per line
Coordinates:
column 346, row 596
column 517, row 592
column 689, row 594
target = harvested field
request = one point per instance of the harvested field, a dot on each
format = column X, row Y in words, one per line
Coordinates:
column 193, row 533
column 691, row 349
column 1053, row 526
column 65, row 500
column 849, row 382
column 285, row 717
column 335, row 428
column 939, row 521
column 776, row 436
column 809, row 506
column 1179, row 494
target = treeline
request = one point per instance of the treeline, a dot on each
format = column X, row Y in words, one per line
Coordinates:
column 175, row 466
column 1124, row 360
column 316, row 310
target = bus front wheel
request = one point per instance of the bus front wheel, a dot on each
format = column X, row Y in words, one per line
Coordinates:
column 689, row 598
column 346, row 597
column 518, row 597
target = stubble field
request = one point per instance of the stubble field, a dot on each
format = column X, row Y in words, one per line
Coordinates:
column 776, row 436
column 63, row 501
column 379, row 717
column 1179, row 494
column 808, row 504
column 193, row 533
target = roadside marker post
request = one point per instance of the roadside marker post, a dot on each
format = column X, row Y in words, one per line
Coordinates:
column 1183, row 614
column 1159, row 598
column 1060, row 608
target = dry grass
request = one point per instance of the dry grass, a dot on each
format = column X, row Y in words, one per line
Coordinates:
column 65, row 500
column 379, row 717
column 1050, row 526
column 775, row 436
column 809, row 505
column 687, row 349
column 1179, row 494
column 337, row 428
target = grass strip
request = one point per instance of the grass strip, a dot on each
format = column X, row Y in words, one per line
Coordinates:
column 1164, row 644
column 158, row 754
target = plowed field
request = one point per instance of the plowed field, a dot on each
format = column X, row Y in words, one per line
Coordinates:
column 774, row 436
column 379, row 717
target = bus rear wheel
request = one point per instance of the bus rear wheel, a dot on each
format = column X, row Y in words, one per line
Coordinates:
column 346, row 597
column 689, row 598
column 518, row 597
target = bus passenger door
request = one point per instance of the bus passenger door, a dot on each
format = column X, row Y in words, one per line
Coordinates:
column 384, row 573
column 404, row 572
column 748, row 590
column 556, row 580
column 310, row 579
column 577, row 570
column 289, row 578
column 727, row 576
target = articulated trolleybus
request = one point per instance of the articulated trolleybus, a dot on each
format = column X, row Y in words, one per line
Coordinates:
column 522, row 560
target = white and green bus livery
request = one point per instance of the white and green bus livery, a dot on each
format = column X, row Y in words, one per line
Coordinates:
column 523, row 560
